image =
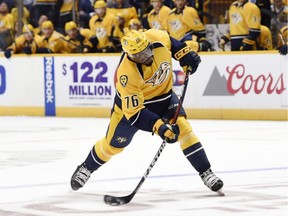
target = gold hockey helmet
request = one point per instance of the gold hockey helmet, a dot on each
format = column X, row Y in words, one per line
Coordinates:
column 134, row 42
column 99, row 4
column 70, row 25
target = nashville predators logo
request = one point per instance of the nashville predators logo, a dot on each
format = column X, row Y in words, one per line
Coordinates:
column 236, row 18
column 123, row 80
column 121, row 139
column 160, row 75
column 175, row 25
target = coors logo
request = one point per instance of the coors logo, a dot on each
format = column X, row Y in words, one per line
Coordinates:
column 240, row 81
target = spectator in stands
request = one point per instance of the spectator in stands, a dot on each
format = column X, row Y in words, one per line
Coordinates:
column 86, row 11
column 283, row 40
column 26, row 15
column 68, row 12
column 51, row 41
column 6, row 26
column 158, row 16
column 102, row 24
column 28, row 4
column 279, row 19
column 244, row 26
column 123, row 7
column 50, row 8
column 25, row 43
column 266, row 5
column 75, row 41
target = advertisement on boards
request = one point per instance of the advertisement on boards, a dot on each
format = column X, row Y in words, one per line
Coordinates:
column 85, row 81
column 21, row 82
column 239, row 82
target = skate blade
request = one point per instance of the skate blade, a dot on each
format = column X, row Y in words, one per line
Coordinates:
column 220, row 193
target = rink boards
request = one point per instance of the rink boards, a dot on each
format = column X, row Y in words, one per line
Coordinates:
column 230, row 85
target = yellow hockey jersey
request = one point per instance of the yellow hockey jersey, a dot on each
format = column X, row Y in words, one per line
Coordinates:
column 21, row 42
column 139, row 85
column 67, row 6
column 264, row 41
column 181, row 23
column 78, row 44
column 128, row 13
column 244, row 19
column 55, row 43
column 159, row 20
column 6, row 22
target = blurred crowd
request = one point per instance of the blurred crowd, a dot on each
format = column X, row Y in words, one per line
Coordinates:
column 96, row 26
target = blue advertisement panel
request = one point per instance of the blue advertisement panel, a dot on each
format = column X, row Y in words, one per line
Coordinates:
column 2, row 79
column 49, row 80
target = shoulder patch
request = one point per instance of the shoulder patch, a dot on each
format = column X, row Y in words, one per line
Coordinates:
column 123, row 80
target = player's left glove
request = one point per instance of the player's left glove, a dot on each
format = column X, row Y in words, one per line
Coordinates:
column 283, row 50
column 167, row 132
column 188, row 58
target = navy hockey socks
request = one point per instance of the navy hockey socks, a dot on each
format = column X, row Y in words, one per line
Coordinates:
column 197, row 157
column 93, row 162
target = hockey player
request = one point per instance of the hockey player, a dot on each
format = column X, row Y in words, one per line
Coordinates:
column 145, row 101
column 124, row 7
column 184, row 22
column 75, row 41
column 158, row 16
column 262, row 42
column 27, row 42
column 51, row 40
column 185, row 25
column 102, row 25
column 244, row 25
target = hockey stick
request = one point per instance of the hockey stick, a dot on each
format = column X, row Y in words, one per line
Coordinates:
column 116, row 201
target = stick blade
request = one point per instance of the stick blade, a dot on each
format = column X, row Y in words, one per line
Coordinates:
column 116, row 201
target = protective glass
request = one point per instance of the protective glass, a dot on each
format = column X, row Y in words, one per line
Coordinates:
column 142, row 56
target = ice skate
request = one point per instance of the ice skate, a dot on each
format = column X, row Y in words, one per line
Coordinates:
column 80, row 177
column 212, row 181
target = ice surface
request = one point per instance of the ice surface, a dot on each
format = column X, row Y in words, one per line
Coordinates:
column 39, row 154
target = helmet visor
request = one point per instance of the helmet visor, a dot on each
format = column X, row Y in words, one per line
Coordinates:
column 142, row 56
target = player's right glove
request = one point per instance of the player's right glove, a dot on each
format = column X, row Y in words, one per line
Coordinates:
column 167, row 132
column 8, row 53
column 188, row 58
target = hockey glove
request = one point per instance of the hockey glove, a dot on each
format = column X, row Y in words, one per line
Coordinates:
column 27, row 50
column 167, row 132
column 247, row 44
column 8, row 53
column 188, row 58
column 283, row 49
column 204, row 45
column 224, row 40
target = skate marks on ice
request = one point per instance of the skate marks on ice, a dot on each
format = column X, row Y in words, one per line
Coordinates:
column 248, row 199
